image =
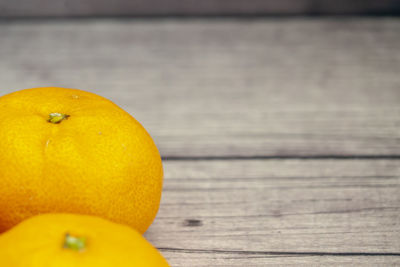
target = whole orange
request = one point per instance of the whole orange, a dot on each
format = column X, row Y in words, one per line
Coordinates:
column 67, row 150
column 64, row 240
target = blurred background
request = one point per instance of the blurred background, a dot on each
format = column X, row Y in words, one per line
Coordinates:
column 22, row 8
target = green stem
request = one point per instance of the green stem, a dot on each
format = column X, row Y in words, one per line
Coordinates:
column 74, row 242
column 57, row 117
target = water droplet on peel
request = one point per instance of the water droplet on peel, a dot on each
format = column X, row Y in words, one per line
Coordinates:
column 75, row 96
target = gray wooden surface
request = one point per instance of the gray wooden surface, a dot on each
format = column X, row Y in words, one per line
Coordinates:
column 258, row 212
column 280, row 137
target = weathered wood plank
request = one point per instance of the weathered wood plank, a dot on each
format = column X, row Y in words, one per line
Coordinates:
column 205, row 259
column 271, row 211
column 227, row 87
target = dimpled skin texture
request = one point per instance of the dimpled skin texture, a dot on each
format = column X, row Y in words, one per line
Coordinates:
column 38, row 242
column 100, row 161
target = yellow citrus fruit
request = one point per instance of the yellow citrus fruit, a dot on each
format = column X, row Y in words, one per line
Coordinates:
column 64, row 240
column 71, row 151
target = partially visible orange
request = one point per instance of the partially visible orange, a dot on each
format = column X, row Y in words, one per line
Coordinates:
column 65, row 240
column 92, row 158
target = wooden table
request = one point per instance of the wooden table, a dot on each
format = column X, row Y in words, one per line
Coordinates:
column 280, row 137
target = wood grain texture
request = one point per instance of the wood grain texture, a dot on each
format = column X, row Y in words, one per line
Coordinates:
column 192, row 7
column 227, row 88
column 259, row 212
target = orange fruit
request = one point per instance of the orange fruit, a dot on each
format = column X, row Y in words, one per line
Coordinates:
column 71, row 151
column 64, row 240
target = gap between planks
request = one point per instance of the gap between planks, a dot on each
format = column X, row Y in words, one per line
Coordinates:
column 278, row 253
column 277, row 157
